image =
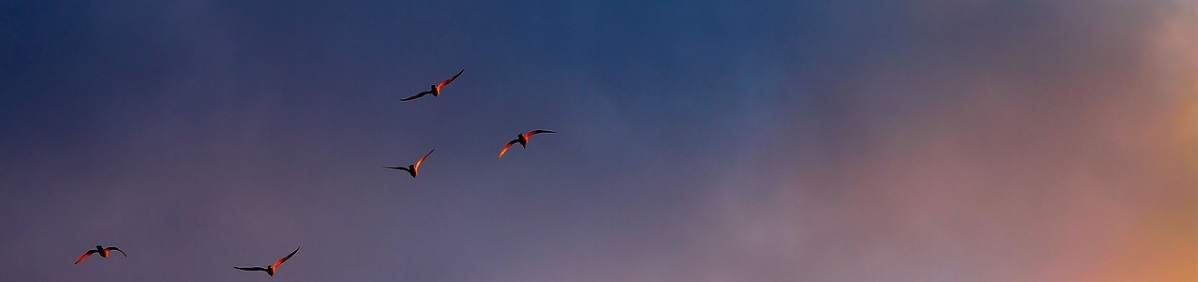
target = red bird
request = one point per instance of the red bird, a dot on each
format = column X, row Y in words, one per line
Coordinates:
column 413, row 169
column 435, row 89
column 102, row 251
column 522, row 139
column 270, row 269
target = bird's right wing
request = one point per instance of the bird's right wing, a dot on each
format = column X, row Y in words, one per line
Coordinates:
column 413, row 97
column 254, row 268
column 508, row 146
column 85, row 255
column 403, row 168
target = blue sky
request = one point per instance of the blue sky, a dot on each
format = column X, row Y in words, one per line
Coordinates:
column 699, row 140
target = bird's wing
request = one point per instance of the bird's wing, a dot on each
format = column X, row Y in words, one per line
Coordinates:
column 538, row 131
column 403, row 168
column 508, row 146
column 417, row 165
column 85, row 255
column 413, row 97
column 116, row 249
column 280, row 262
column 447, row 81
column 250, row 268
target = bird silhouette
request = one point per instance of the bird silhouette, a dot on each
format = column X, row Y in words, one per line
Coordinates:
column 434, row 89
column 413, row 169
column 100, row 250
column 522, row 139
column 270, row 269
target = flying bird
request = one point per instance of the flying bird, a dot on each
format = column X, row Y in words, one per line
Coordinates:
column 434, row 89
column 413, row 169
column 522, row 139
column 270, row 270
column 100, row 250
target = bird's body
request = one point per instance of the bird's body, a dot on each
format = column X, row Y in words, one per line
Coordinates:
column 100, row 250
column 413, row 170
column 434, row 89
column 269, row 269
column 522, row 139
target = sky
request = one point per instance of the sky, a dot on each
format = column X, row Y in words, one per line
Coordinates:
column 921, row 140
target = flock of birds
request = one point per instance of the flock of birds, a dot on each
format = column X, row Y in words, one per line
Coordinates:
column 413, row 170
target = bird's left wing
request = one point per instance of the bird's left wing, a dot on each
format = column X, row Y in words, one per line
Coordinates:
column 280, row 262
column 447, row 81
column 417, row 165
column 539, row 131
column 116, row 249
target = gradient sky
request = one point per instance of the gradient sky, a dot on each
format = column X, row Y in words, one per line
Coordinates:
column 923, row 140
